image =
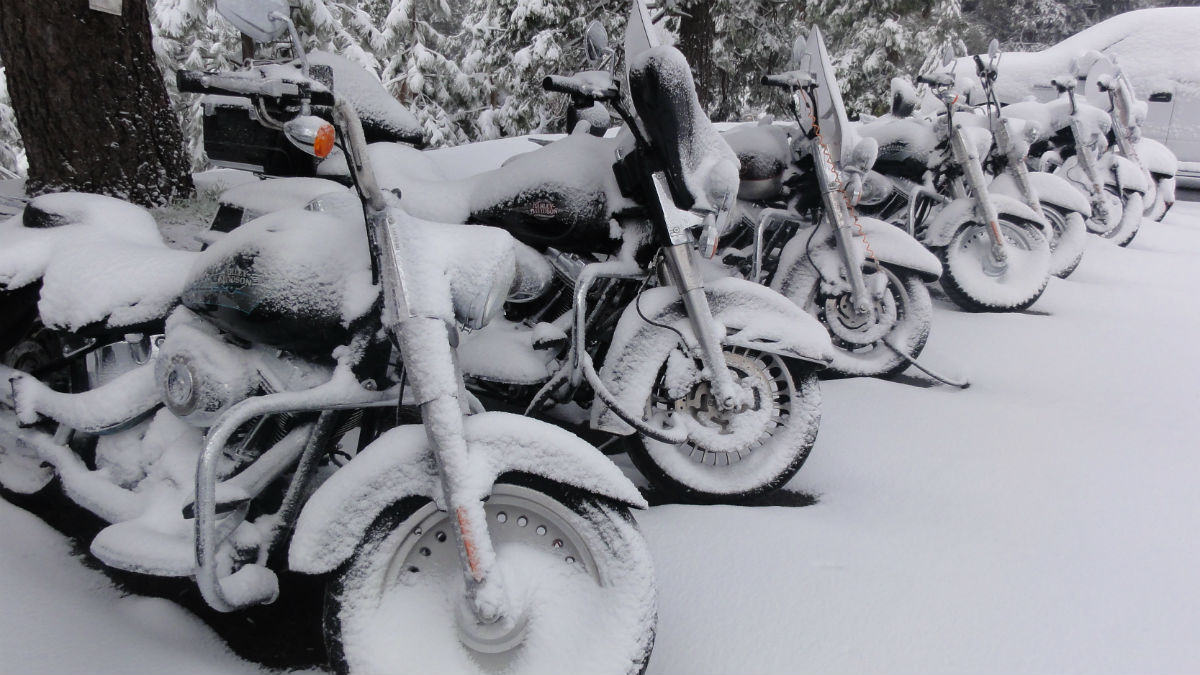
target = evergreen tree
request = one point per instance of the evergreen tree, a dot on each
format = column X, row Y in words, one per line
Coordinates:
column 421, row 68
column 12, row 152
column 731, row 44
column 872, row 41
column 190, row 35
column 513, row 44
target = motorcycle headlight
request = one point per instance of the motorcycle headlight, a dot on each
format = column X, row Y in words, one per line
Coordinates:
column 478, row 309
column 200, row 376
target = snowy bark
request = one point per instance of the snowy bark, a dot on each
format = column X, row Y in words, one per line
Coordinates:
column 90, row 102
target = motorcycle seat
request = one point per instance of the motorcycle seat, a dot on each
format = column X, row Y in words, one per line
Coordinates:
column 100, row 260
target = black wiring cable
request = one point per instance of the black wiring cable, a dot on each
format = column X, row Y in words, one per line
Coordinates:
column 637, row 303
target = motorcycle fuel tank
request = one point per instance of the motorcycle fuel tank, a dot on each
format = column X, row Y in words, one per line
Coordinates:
column 292, row 279
column 562, row 195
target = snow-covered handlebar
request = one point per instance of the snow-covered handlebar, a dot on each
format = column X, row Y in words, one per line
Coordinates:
column 239, row 84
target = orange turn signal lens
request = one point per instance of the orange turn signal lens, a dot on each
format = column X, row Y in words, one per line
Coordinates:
column 323, row 143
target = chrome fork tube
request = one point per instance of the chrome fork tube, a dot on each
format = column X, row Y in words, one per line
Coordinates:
column 438, row 389
column 1016, row 165
column 695, row 302
column 968, row 158
column 838, row 215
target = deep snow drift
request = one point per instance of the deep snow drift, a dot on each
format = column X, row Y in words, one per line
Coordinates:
column 1040, row 521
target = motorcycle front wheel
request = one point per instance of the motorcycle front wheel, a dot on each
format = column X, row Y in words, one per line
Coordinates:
column 732, row 455
column 976, row 281
column 577, row 572
column 1164, row 197
column 1131, row 219
column 1068, row 238
column 901, row 315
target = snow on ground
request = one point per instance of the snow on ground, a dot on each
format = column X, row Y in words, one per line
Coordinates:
column 1040, row 521
column 61, row 617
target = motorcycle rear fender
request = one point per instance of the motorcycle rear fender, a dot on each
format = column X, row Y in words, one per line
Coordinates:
column 400, row 464
column 962, row 211
column 754, row 316
column 1050, row 189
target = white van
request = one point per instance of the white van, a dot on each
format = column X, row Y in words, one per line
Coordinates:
column 1158, row 50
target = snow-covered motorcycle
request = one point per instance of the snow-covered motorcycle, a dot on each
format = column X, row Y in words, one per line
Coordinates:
column 712, row 380
column 1050, row 196
column 1074, row 146
column 929, row 180
column 621, row 336
column 1107, row 88
column 798, row 233
column 469, row 542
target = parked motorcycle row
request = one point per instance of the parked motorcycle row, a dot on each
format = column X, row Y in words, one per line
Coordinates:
column 408, row 384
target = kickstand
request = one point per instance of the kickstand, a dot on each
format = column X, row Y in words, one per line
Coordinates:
column 913, row 362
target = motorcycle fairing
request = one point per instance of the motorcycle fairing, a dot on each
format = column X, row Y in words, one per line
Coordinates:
column 946, row 222
column 1050, row 189
column 754, row 317
column 383, row 118
column 399, row 465
column 701, row 168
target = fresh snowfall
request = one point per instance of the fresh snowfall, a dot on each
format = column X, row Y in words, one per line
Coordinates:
column 1038, row 521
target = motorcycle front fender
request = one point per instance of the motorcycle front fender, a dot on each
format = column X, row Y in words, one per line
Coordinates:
column 1050, row 189
column 400, row 464
column 961, row 211
column 896, row 248
column 754, row 317
column 1157, row 157
column 892, row 246
column 1126, row 174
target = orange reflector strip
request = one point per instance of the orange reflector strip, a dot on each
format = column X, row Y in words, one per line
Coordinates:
column 468, row 544
column 323, row 144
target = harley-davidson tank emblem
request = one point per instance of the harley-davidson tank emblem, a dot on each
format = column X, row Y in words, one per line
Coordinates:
column 543, row 209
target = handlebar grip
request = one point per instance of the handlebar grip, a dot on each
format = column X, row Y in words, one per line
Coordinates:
column 224, row 84
column 322, row 98
column 776, row 81
column 574, row 86
column 934, row 80
column 192, row 82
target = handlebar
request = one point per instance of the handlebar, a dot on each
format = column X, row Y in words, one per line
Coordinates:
column 936, row 80
column 790, row 80
column 577, row 86
column 1063, row 85
column 225, row 84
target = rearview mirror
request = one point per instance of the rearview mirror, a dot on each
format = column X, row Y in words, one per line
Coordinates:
column 256, row 18
column 993, row 49
column 595, row 43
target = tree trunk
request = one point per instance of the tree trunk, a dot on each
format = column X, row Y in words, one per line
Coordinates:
column 90, row 101
column 697, row 32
